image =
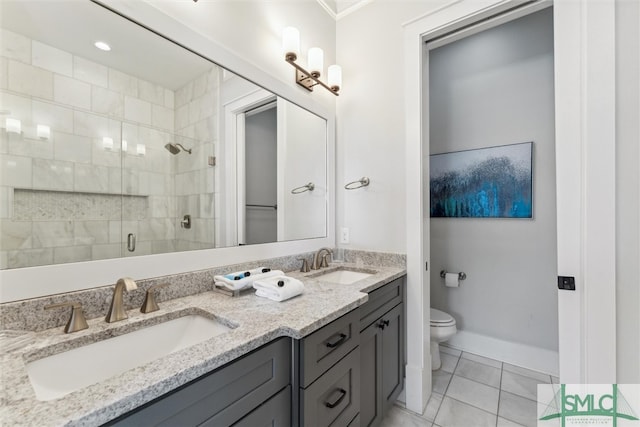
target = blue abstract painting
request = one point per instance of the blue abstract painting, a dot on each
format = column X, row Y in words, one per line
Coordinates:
column 494, row 182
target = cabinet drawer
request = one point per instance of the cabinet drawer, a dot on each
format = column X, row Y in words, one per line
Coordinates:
column 326, row 346
column 275, row 412
column 226, row 394
column 334, row 399
column 380, row 301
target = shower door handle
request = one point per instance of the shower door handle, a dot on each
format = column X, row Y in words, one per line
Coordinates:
column 131, row 242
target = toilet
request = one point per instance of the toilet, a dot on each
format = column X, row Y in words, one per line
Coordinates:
column 443, row 327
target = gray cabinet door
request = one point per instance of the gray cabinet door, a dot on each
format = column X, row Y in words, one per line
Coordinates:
column 370, row 376
column 392, row 355
column 275, row 412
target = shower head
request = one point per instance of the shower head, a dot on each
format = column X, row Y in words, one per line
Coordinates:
column 175, row 148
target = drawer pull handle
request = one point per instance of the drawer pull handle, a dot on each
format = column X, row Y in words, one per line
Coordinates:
column 332, row 405
column 340, row 340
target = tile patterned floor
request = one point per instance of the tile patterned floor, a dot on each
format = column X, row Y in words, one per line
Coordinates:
column 471, row 390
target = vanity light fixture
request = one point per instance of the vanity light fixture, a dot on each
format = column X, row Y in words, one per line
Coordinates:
column 141, row 150
column 309, row 78
column 43, row 131
column 102, row 46
column 107, row 143
column 13, row 125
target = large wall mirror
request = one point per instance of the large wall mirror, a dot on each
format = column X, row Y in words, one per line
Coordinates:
column 148, row 158
column 141, row 146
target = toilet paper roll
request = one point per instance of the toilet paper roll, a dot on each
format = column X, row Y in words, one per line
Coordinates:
column 452, row 280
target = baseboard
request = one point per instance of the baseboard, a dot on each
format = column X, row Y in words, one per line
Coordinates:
column 526, row 356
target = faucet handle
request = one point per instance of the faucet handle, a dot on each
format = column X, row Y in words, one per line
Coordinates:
column 305, row 265
column 77, row 321
column 150, row 305
column 325, row 263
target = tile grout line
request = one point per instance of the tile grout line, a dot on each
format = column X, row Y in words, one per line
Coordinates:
column 499, row 393
column 447, row 388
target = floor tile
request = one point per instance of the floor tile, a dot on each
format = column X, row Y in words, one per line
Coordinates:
column 503, row 422
column 398, row 417
column 448, row 362
column 475, row 394
column 450, row 350
column 517, row 384
column 479, row 372
column 432, row 407
column 517, row 409
column 440, row 381
column 482, row 359
column 543, row 378
column 453, row 413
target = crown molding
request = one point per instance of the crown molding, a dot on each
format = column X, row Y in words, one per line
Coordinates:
column 339, row 15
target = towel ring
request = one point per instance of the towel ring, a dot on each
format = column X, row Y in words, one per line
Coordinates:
column 362, row 182
column 307, row 187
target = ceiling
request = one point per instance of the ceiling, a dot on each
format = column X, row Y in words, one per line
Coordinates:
column 74, row 26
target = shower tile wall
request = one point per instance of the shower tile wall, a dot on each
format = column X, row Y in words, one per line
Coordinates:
column 91, row 111
column 196, row 118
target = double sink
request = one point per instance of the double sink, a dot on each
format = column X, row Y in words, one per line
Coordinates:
column 55, row 376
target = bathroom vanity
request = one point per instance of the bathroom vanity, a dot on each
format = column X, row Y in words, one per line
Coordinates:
column 294, row 363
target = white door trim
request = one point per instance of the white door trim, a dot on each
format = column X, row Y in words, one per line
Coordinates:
column 585, row 154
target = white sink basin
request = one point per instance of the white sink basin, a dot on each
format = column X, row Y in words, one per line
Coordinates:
column 343, row 277
column 55, row 376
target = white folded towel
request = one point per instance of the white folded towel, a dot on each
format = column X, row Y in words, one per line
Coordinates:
column 244, row 280
column 279, row 288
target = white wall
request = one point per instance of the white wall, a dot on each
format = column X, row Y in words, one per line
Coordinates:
column 370, row 139
column 482, row 95
column 628, row 191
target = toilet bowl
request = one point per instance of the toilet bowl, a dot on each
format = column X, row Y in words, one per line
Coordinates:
column 443, row 327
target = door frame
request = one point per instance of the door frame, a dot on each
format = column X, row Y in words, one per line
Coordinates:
column 584, row 73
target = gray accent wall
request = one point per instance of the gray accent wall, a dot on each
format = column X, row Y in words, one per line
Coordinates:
column 496, row 88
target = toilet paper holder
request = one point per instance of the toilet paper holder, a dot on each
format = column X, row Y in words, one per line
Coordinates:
column 462, row 275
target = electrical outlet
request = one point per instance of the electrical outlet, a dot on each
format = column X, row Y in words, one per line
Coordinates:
column 344, row 235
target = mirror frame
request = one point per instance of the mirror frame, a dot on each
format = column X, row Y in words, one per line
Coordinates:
column 32, row 282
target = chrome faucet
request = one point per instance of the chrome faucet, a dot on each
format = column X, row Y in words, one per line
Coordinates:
column 116, row 310
column 322, row 260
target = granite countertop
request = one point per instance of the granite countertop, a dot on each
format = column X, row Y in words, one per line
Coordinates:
column 254, row 321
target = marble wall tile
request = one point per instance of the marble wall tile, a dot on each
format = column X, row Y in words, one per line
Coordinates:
column 160, row 207
column 6, row 202
column 30, row 80
column 131, row 182
column 73, row 148
column 203, row 230
column 162, row 246
column 15, row 235
column 115, row 180
column 48, row 234
column 4, row 70
column 184, row 95
column 90, row 72
column 29, row 257
column 15, row 46
column 108, row 102
column 57, row 117
column 206, row 203
column 93, row 125
column 90, row 232
column 123, row 83
column 169, row 98
column 137, row 110
column 71, row 254
column 156, row 229
column 20, row 106
column 127, row 227
column 151, row 92
column 107, row 251
column 91, row 178
column 162, row 117
column 52, row 175
column 135, row 208
column 200, row 86
column 51, row 58
column 15, row 171
column 35, row 148
column 104, row 157
column 181, row 117
column 69, row 91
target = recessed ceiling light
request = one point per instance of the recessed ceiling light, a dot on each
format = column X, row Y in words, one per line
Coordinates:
column 102, row 46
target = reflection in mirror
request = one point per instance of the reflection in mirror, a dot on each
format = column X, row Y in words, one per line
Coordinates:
column 128, row 152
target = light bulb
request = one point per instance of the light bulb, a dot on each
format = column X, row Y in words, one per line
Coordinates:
column 141, row 150
column 13, row 125
column 107, row 143
column 315, row 61
column 43, row 131
column 334, row 77
column 291, row 43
